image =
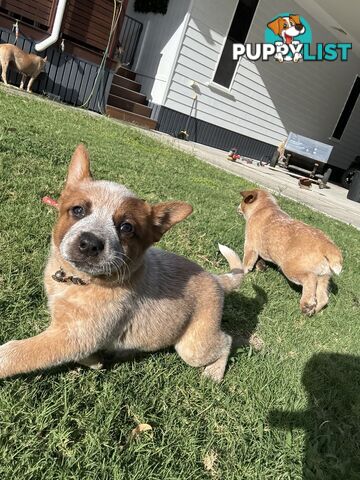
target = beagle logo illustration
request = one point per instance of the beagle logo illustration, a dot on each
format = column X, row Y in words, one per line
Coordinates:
column 288, row 38
column 292, row 31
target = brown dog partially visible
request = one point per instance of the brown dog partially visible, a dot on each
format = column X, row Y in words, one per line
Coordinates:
column 109, row 292
column 306, row 255
column 28, row 64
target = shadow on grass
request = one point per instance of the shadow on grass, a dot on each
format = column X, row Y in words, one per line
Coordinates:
column 332, row 419
column 240, row 317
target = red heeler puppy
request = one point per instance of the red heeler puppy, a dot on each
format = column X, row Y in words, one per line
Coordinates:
column 110, row 291
column 305, row 254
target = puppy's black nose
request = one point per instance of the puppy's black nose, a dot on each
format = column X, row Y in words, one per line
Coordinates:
column 299, row 27
column 90, row 244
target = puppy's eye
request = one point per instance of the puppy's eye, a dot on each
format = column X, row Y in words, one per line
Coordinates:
column 78, row 211
column 126, row 227
column 285, row 25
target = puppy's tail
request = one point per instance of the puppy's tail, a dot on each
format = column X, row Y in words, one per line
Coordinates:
column 335, row 260
column 232, row 280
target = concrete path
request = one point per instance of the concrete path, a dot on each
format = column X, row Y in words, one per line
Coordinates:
column 331, row 201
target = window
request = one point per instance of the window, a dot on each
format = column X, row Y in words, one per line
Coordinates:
column 239, row 29
column 348, row 108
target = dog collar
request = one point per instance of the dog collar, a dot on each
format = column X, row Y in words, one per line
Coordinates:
column 50, row 201
column 60, row 276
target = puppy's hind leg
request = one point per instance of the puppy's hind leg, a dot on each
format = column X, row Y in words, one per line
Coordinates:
column 23, row 80
column 204, row 344
column 250, row 258
column 31, row 81
column 308, row 299
column 322, row 292
column 4, row 67
column 216, row 370
column 211, row 353
column 93, row 361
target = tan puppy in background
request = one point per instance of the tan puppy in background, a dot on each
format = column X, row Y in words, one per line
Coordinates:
column 306, row 255
column 28, row 64
column 109, row 292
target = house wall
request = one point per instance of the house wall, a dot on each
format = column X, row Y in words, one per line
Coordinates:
column 88, row 22
column 66, row 78
column 39, row 11
column 85, row 27
column 267, row 99
column 158, row 47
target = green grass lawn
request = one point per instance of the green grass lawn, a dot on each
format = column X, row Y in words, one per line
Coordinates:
column 289, row 411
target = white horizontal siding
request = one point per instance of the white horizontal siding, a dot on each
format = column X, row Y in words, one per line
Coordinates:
column 267, row 99
column 249, row 109
column 245, row 104
column 193, row 65
column 240, row 123
column 200, row 59
column 204, row 9
column 247, row 98
column 195, row 38
column 200, row 31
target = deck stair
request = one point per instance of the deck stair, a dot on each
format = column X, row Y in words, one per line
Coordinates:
column 126, row 103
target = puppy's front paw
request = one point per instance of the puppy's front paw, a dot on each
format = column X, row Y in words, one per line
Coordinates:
column 215, row 372
column 248, row 269
column 6, row 360
column 95, row 362
column 308, row 308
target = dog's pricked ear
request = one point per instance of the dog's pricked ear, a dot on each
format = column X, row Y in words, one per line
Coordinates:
column 45, row 59
column 249, row 196
column 296, row 19
column 276, row 25
column 167, row 214
column 79, row 168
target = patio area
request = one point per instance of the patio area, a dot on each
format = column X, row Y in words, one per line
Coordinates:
column 332, row 200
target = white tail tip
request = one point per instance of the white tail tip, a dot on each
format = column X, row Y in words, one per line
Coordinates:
column 224, row 250
column 336, row 269
column 231, row 256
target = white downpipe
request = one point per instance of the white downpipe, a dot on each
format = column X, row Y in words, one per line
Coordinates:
column 44, row 44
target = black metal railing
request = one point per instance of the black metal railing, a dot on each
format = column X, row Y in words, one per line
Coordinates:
column 129, row 40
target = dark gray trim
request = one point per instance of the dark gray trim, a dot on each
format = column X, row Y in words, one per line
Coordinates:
column 171, row 122
column 66, row 78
